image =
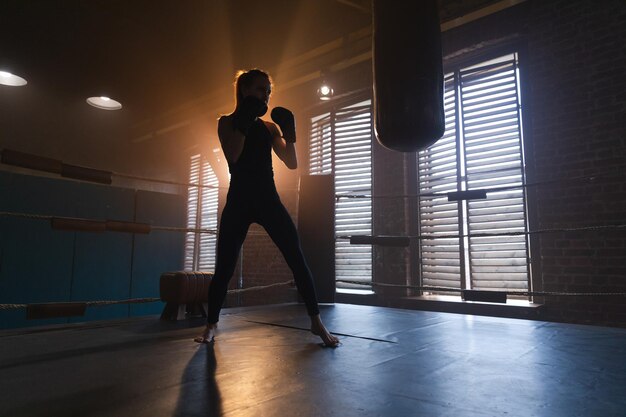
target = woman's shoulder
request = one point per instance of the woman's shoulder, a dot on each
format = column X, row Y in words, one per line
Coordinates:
column 224, row 121
column 271, row 127
column 225, row 118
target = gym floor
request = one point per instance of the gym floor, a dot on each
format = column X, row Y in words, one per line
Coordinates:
column 264, row 362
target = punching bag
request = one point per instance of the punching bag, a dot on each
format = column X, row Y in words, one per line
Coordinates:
column 408, row 74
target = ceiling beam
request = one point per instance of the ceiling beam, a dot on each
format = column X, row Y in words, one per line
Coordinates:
column 211, row 103
column 363, row 6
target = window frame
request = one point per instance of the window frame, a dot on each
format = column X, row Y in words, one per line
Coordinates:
column 194, row 240
column 455, row 65
column 332, row 107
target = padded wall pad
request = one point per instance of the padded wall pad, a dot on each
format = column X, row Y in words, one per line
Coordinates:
column 158, row 251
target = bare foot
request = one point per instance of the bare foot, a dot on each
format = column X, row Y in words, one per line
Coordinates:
column 208, row 335
column 318, row 329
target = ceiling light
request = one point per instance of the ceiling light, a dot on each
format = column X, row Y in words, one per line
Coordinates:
column 104, row 103
column 6, row 78
column 325, row 92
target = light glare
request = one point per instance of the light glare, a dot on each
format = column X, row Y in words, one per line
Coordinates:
column 6, row 78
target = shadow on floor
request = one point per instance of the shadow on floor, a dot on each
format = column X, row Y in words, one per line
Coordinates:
column 199, row 393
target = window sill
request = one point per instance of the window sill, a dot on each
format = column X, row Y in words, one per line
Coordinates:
column 354, row 291
column 514, row 308
column 356, row 296
column 458, row 299
column 522, row 309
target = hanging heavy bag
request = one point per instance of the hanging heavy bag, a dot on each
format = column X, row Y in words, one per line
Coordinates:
column 408, row 74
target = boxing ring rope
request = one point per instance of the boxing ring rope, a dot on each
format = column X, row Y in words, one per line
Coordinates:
column 100, row 303
column 71, row 223
column 89, row 225
column 146, row 179
column 459, row 290
column 90, row 174
column 474, row 235
column 593, row 177
column 39, row 163
column 56, row 166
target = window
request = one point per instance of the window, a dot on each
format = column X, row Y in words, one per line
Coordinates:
column 201, row 213
column 481, row 149
column 341, row 144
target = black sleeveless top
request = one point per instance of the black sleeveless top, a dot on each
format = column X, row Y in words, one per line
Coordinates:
column 254, row 165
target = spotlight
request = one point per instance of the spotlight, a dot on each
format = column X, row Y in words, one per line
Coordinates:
column 325, row 92
column 104, row 103
column 6, row 78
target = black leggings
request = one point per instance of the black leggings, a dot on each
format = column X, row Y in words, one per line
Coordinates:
column 259, row 204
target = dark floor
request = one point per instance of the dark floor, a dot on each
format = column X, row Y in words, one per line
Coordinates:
column 394, row 363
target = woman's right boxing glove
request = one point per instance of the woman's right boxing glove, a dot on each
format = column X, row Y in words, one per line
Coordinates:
column 247, row 112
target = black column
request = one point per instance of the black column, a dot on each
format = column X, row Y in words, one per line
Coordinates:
column 316, row 226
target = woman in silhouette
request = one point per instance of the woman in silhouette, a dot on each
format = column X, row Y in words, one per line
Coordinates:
column 247, row 142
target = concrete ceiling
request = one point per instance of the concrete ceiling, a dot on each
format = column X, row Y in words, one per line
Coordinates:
column 151, row 55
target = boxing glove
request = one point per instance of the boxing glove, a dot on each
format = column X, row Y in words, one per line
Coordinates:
column 284, row 118
column 250, row 108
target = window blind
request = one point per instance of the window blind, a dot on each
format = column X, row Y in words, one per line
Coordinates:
column 202, row 207
column 481, row 149
column 353, row 175
column 341, row 144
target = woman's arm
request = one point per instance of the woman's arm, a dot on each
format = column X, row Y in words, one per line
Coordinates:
column 231, row 139
column 284, row 150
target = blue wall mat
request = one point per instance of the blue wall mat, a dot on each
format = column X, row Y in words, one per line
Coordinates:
column 158, row 251
column 102, row 260
column 102, row 272
column 35, row 267
column 38, row 264
column 58, row 197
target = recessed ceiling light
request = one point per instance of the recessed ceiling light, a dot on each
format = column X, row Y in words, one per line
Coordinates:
column 6, row 78
column 104, row 103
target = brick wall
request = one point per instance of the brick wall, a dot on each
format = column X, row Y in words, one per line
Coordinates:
column 390, row 213
column 577, row 118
